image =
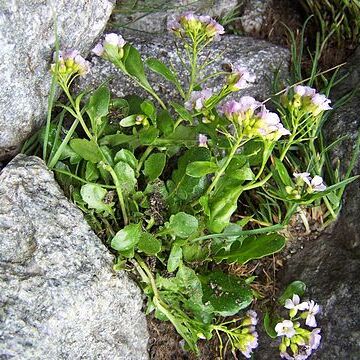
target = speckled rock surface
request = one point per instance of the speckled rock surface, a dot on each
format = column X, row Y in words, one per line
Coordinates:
column 155, row 18
column 59, row 298
column 254, row 15
column 27, row 38
column 330, row 265
column 260, row 57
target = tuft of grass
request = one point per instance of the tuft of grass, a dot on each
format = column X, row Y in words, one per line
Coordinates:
column 339, row 17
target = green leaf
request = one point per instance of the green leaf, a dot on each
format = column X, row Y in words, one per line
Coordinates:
column 94, row 196
column 107, row 153
column 98, row 105
column 160, row 68
column 126, row 177
column 184, row 114
column 149, row 244
column 134, row 65
column 187, row 187
column 68, row 152
column 87, row 149
column 269, row 326
column 165, row 123
column 91, row 172
column 154, row 165
column 128, row 121
column 227, row 294
column 148, row 109
column 282, row 172
column 201, row 168
column 148, row 135
column 223, row 203
column 127, row 238
column 116, row 139
column 252, row 247
column 239, row 169
column 126, row 156
column 296, row 287
column 175, row 258
column 182, row 225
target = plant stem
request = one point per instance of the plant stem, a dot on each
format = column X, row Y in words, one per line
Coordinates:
column 223, row 168
column 119, row 192
column 144, row 156
column 59, row 151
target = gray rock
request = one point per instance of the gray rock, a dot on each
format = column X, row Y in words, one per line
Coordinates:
column 254, row 14
column 27, row 38
column 155, row 14
column 330, row 264
column 260, row 57
column 59, row 298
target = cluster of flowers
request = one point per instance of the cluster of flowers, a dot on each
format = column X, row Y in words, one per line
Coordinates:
column 112, row 48
column 300, row 341
column 194, row 26
column 254, row 119
column 308, row 100
column 315, row 184
column 247, row 340
column 68, row 63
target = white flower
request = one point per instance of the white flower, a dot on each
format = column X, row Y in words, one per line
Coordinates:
column 315, row 339
column 317, row 183
column 285, row 328
column 285, row 355
column 305, row 176
column 294, row 305
column 313, row 310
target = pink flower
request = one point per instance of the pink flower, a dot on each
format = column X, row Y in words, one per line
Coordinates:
column 198, row 99
column 202, row 140
column 239, row 78
column 98, row 49
column 321, row 103
column 304, row 90
column 114, row 40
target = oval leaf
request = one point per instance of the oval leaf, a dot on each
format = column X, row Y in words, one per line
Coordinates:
column 227, row 294
column 296, row 287
column 154, row 166
column 87, row 149
column 126, row 156
column 128, row 121
column 160, row 68
column 182, row 225
column 94, row 196
column 127, row 238
column 175, row 258
column 149, row 244
column 252, row 247
column 201, row 168
column 126, row 177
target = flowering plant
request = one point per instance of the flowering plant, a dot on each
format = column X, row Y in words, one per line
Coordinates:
column 160, row 183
